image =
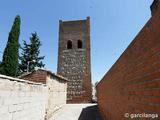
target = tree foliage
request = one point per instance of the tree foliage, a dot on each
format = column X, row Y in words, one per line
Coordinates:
column 9, row 65
column 30, row 58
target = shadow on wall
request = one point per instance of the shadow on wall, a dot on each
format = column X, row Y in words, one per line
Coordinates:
column 90, row 113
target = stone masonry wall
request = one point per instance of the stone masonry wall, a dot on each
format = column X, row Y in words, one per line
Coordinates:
column 21, row 99
column 75, row 63
column 132, row 85
column 57, row 94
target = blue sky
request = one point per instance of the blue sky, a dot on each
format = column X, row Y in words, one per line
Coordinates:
column 114, row 24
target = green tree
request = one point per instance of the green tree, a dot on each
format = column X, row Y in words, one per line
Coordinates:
column 9, row 65
column 30, row 58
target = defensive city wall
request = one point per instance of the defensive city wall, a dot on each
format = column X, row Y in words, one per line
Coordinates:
column 132, row 85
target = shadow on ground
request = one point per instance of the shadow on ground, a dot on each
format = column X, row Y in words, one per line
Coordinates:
column 90, row 113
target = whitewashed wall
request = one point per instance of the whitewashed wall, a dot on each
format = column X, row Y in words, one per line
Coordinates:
column 22, row 100
column 57, row 94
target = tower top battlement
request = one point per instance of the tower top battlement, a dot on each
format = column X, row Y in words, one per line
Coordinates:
column 75, row 21
column 75, row 26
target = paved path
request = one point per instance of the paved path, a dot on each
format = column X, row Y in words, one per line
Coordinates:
column 77, row 112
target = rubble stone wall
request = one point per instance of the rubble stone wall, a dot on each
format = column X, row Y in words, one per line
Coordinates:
column 75, row 63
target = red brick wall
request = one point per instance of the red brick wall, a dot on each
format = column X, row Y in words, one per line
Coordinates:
column 36, row 76
column 132, row 85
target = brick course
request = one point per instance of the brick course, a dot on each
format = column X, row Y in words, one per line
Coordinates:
column 39, row 76
column 132, row 85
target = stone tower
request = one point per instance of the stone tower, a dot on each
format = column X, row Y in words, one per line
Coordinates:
column 154, row 7
column 74, row 60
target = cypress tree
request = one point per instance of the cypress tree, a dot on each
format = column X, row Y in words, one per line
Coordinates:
column 9, row 65
column 30, row 58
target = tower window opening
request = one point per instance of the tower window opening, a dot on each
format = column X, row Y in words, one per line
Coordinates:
column 79, row 44
column 69, row 44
